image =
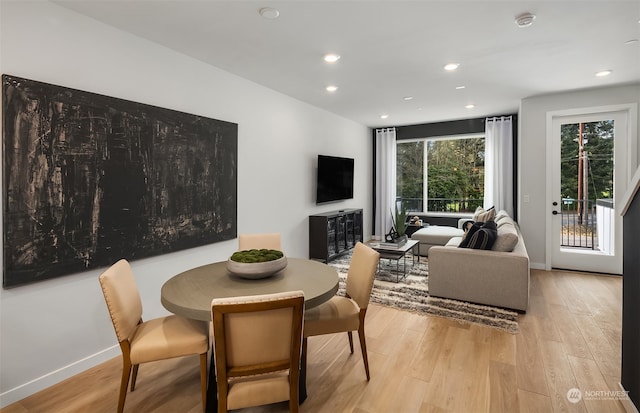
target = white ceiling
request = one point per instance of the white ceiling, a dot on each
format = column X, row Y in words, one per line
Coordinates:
column 394, row 49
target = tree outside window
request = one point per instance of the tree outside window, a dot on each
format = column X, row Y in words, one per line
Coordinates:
column 454, row 178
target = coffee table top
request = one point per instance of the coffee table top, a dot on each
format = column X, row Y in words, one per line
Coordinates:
column 380, row 247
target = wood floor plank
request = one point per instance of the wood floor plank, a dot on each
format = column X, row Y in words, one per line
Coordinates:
column 429, row 349
column 540, row 316
column 529, row 366
column 560, row 378
column 418, row 363
column 503, row 388
column 503, row 347
column 590, row 379
column 445, row 385
column 574, row 342
column 409, row 396
column 529, row 402
column 599, row 345
column 571, row 295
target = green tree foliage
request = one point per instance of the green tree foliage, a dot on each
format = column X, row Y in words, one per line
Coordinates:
column 599, row 155
column 455, row 170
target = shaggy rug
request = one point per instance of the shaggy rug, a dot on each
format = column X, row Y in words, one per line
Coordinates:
column 412, row 293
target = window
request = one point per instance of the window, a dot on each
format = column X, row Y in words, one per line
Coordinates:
column 447, row 172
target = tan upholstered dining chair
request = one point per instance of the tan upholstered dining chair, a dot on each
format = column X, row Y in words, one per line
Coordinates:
column 257, row 344
column 145, row 341
column 341, row 314
column 258, row 241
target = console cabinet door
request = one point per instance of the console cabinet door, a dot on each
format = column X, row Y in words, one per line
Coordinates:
column 334, row 233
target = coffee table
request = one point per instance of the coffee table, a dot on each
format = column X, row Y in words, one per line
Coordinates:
column 397, row 253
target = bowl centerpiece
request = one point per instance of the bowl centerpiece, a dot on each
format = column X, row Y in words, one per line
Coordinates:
column 256, row 263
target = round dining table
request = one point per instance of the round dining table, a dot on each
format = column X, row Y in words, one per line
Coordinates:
column 189, row 295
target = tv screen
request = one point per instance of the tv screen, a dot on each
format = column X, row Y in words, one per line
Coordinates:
column 335, row 179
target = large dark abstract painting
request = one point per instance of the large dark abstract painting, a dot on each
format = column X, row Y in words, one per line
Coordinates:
column 90, row 179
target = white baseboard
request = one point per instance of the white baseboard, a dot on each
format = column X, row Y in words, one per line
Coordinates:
column 56, row 376
column 537, row 266
column 627, row 403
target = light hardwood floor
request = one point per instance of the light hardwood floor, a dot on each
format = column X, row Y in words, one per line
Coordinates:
column 569, row 338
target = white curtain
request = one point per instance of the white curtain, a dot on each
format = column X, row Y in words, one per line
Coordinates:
column 498, row 164
column 385, row 180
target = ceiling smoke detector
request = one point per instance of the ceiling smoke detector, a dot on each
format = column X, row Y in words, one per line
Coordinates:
column 525, row 19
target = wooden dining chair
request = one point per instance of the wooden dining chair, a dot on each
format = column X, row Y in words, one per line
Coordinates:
column 346, row 314
column 257, row 344
column 258, row 241
column 145, row 341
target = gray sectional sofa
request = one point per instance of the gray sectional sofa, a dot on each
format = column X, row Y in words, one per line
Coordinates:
column 497, row 277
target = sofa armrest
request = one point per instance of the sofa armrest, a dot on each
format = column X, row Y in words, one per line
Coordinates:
column 480, row 276
column 461, row 221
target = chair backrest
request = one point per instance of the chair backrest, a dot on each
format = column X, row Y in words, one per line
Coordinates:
column 362, row 271
column 258, row 241
column 122, row 298
column 257, row 334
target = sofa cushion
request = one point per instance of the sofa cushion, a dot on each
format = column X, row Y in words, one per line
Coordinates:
column 500, row 215
column 454, row 242
column 505, row 221
column 507, row 238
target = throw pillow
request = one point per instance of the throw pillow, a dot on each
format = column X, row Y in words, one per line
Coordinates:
column 485, row 237
column 470, row 229
column 479, row 210
column 486, row 215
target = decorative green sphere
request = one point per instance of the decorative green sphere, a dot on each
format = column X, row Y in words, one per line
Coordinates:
column 256, row 255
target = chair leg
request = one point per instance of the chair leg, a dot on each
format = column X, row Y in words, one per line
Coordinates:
column 203, row 380
column 124, row 382
column 134, row 376
column 302, row 379
column 363, row 344
column 350, row 334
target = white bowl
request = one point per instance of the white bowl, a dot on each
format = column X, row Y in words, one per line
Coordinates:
column 256, row 270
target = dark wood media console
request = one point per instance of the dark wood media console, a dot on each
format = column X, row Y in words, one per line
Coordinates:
column 333, row 233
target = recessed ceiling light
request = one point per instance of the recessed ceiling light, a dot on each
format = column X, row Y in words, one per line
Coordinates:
column 384, row 116
column 331, row 57
column 525, row 19
column 269, row 13
column 407, row 98
column 332, row 88
column 460, row 87
column 604, row 73
column 451, row 66
column 470, row 106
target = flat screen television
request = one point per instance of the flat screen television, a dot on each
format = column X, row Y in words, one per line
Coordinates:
column 334, row 179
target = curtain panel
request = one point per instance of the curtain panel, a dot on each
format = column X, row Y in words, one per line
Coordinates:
column 498, row 164
column 385, row 180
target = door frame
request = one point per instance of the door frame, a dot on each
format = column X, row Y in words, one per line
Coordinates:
column 630, row 147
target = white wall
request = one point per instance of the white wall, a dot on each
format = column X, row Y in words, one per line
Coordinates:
column 53, row 329
column 532, row 149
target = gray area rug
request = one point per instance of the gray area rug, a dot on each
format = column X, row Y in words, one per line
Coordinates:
column 412, row 294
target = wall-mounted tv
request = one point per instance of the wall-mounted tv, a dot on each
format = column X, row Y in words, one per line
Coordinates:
column 335, row 179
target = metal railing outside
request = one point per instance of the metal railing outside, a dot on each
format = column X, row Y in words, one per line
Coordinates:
column 578, row 223
column 439, row 204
